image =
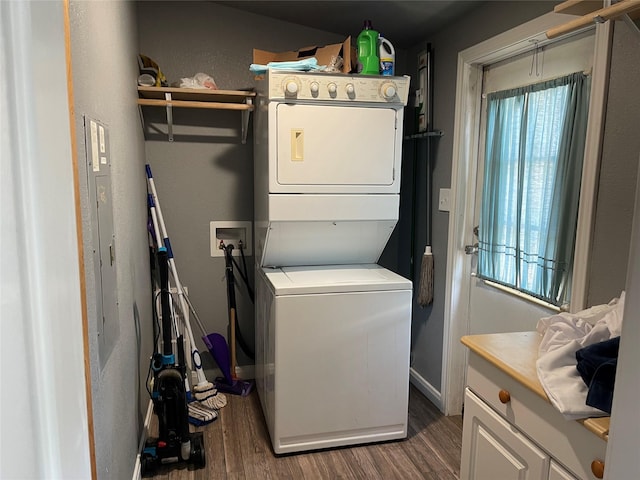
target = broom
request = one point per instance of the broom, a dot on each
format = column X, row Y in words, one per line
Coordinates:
column 425, row 289
column 425, row 292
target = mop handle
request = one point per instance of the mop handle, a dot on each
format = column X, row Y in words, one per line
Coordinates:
column 154, row 218
column 195, row 354
column 167, row 351
column 195, row 314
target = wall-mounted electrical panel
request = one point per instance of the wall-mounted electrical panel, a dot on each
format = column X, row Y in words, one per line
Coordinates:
column 98, row 158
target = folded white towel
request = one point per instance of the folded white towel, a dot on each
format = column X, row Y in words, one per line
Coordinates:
column 563, row 335
column 304, row 65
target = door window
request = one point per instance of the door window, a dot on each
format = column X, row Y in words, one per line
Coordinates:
column 534, row 148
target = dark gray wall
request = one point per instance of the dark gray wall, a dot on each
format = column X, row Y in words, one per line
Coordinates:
column 206, row 174
column 486, row 21
column 617, row 185
column 104, row 47
column 617, row 179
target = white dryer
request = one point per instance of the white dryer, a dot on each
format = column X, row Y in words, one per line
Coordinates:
column 332, row 327
column 328, row 152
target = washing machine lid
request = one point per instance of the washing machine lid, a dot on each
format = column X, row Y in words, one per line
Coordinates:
column 333, row 279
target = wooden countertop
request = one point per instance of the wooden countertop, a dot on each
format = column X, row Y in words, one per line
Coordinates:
column 515, row 354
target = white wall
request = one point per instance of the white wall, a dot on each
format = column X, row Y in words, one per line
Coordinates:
column 43, row 398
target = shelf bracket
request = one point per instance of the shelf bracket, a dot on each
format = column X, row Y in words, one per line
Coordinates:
column 245, row 120
column 167, row 97
column 141, row 116
column 430, row 133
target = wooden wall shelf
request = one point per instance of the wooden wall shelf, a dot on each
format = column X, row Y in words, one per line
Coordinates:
column 578, row 7
column 170, row 97
column 592, row 12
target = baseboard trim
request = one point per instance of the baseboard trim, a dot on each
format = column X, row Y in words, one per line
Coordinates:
column 426, row 388
column 137, row 469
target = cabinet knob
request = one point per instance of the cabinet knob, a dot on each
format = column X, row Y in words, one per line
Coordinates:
column 504, row 396
column 597, row 467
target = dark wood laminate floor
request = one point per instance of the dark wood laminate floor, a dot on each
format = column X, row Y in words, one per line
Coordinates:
column 238, row 447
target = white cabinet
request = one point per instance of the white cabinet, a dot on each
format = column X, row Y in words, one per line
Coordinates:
column 556, row 472
column 510, row 429
column 493, row 449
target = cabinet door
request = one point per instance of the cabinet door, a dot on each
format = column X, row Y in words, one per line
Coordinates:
column 556, row 472
column 494, row 449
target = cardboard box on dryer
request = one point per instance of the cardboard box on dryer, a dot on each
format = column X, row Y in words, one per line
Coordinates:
column 323, row 54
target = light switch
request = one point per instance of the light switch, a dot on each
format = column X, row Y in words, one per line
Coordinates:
column 444, row 203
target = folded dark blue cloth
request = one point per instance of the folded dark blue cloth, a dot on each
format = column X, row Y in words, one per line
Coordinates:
column 597, row 366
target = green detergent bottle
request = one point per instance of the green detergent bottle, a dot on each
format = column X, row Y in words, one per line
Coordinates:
column 368, row 60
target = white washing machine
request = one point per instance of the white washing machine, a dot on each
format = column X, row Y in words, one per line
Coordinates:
column 332, row 355
column 332, row 327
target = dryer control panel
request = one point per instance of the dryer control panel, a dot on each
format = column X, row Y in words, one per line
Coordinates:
column 292, row 86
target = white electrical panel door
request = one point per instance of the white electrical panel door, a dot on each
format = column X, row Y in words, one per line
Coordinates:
column 103, row 240
column 336, row 146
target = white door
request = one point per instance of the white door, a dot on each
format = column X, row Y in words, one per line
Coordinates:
column 490, row 314
column 493, row 449
column 491, row 308
column 336, row 146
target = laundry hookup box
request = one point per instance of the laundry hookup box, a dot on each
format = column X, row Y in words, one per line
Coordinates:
column 324, row 55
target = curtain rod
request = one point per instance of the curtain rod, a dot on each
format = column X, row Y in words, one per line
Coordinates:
column 598, row 16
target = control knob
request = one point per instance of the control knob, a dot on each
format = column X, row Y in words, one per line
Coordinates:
column 350, row 89
column 388, row 90
column 332, row 88
column 291, row 86
column 314, row 87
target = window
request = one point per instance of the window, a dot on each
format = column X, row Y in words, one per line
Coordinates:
column 535, row 138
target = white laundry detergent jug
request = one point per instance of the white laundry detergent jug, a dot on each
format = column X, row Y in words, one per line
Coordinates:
column 387, row 57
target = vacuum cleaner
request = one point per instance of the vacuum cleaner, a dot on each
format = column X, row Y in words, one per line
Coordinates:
column 174, row 444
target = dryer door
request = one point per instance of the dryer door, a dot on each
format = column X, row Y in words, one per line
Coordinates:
column 336, row 149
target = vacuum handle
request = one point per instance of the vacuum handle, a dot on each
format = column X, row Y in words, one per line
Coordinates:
column 163, row 267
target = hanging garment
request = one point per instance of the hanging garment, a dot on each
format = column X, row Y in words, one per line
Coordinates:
column 597, row 366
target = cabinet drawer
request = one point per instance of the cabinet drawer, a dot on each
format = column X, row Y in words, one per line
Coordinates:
column 567, row 441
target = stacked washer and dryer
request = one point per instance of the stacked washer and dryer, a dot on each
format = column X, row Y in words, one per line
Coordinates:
column 332, row 326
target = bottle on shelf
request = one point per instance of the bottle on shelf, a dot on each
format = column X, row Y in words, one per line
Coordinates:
column 387, row 57
column 368, row 59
